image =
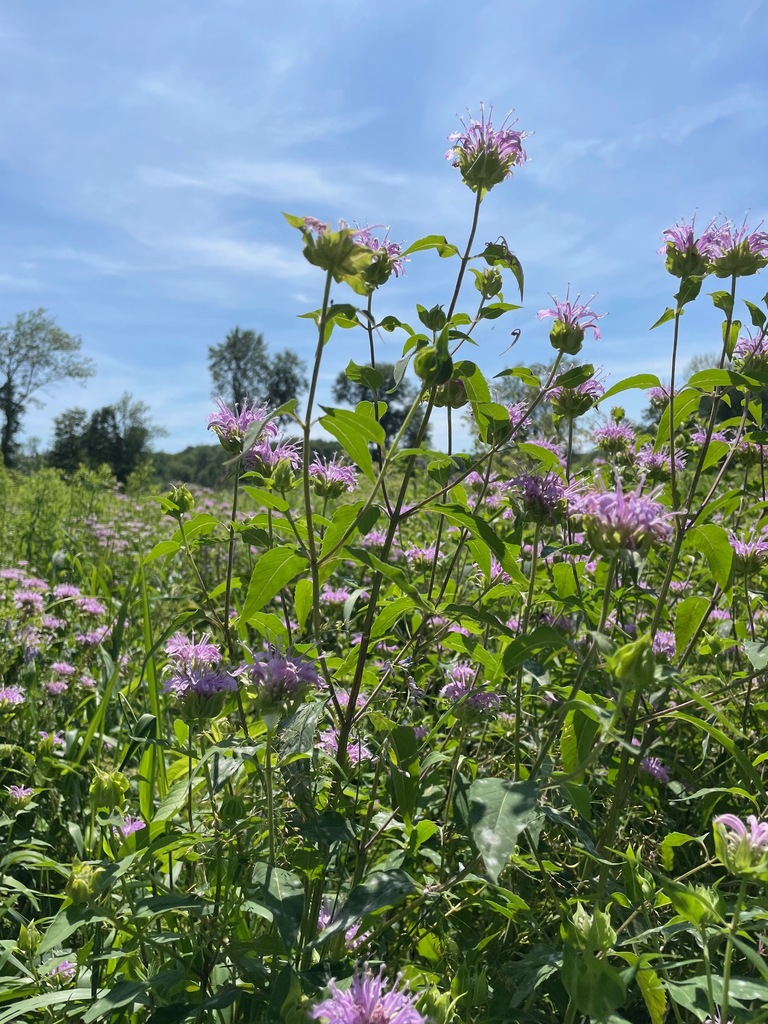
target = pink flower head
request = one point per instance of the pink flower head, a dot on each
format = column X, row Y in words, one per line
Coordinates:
column 486, row 155
column 687, row 255
column 741, row 846
column 282, row 677
column 231, row 428
column 332, row 478
column 389, row 255
column 740, row 252
column 368, row 1000
column 616, row 521
column 574, row 314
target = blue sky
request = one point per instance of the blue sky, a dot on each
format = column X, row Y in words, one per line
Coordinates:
column 147, row 151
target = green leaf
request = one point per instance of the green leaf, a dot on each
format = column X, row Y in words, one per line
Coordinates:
column 722, row 300
column 354, row 431
column 653, row 993
column 438, row 242
column 283, row 894
column 483, row 530
column 712, row 541
column 757, row 652
column 575, row 376
column 390, row 613
column 666, row 316
column 689, row 290
column 475, row 383
column 302, row 600
column 523, row 374
column 121, row 994
column 690, row 614
column 21, row 1009
column 577, row 739
column 709, row 380
column 670, row 843
column 686, row 404
column 595, row 986
column 380, row 891
column 547, row 460
column 539, row 639
column 367, row 375
column 757, row 315
column 640, row 381
column 163, row 547
column 499, row 811
column 273, row 571
column 343, row 518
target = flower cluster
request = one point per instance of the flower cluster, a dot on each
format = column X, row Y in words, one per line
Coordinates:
column 616, row 521
column 722, row 248
column 281, row 678
column 238, row 429
column 749, row 556
column 194, row 669
column 570, row 403
column 741, row 846
column 572, row 320
column 486, row 155
column 332, row 478
column 368, row 1000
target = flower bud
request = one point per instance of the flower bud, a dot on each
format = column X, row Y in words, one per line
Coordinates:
column 453, row 394
column 634, row 663
column 589, row 933
column 84, row 884
column 434, row 319
column 178, row 502
column 431, row 367
column 108, row 790
column 489, row 282
column 566, row 338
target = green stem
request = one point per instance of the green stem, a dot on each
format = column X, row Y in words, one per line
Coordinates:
column 734, row 927
column 523, row 632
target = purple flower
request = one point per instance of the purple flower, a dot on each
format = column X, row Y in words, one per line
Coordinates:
column 421, row 557
column 20, row 794
column 282, row 677
column 231, row 428
column 357, row 751
column 94, row 637
column 546, row 499
column 572, row 320
column 389, row 255
column 11, row 696
column 749, row 556
column 63, row 668
column 659, row 397
column 624, row 522
column 64, row 590
column 332, row 478
column 751, row 351
column 687, row 255
column 658, row 464
column 28, row 601
column 367, row 1000
column 352, row 935
column 329, row 595
column 315, row 226
column 741, row 846
column 571, row 403
column 264, row 456
column 56, row 687
column 461, row 692
column 614, row 438
column 664, row 643
column 55, row 740
column 654, row 767
column 129, row 826
column 64, row 970
column 201, row 683
column 740, row 252
column 486, row 155
column 91, row 606
column 189, row 655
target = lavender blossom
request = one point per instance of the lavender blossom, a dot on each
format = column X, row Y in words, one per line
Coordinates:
column 658, row 464
column 741, row 846
column 11, row 696
column 332, row 478
column 615, row 521
column 749, row 556
column 664, row 643
column 28, row 601
column 687, row 255
column 129, row 826
column 65, row 590
column 368, row 1001
column 389, row 255
column 357, row 751
column 20, row 795
column 486, row 155
column 740, row 252
column 751, row 351
column 572, row 320
column 615, row 438
column 233, row 427
column 570, row 403
column 194, row 669
column 545, row 499
column 654, row 767
column 282, row 678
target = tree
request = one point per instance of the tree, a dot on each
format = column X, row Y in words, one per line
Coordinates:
column 117, row 435
column 243, row 371
column 35, row 353
column 398, row 403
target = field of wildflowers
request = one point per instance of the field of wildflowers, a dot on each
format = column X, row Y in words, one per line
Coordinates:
column 406, row 735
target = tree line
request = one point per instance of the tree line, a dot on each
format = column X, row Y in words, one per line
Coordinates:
column 36, row 355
